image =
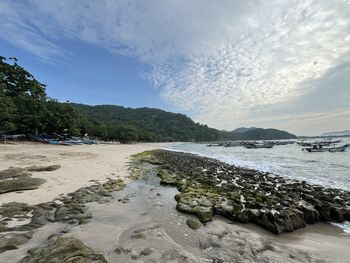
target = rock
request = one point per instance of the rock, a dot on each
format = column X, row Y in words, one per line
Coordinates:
column 122, row 250
column 173, row 255
column 114, row 185
column 124, row 200
column 48, row 168
column 311, row 215
column 194, row 223
column 166, row 178
column 282, row 221
column 64, row 250
column 336, row 214
column 205, row 214
column 14, row 173
column 209, row 187
column 22, row 183
column 138, row 236
column 14, row 241
column 146, row 252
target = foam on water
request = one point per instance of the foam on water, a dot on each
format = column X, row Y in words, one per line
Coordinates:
column 325, row 168
column 345, row 226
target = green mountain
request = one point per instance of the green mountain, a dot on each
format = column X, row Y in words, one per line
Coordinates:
column 26, row 108
column 243, row 129
column 158, row 124
column 168, row 126
column 263, row 134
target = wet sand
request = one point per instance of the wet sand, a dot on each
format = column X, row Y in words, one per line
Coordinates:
column 150, row 221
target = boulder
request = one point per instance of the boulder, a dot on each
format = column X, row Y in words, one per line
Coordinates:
column 21, row 183
column 66, row 249
column 194, row 223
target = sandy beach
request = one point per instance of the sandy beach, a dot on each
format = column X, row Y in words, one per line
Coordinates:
column 81, row 165
column 147, row 221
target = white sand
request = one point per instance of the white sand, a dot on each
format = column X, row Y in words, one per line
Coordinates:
column 81, row 165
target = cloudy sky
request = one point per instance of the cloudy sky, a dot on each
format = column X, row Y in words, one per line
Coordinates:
column 230, row 63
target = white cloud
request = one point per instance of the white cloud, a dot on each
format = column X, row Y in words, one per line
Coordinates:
column 222, row 61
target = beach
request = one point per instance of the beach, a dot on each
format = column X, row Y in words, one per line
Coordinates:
column 140, row 221
column 81, row 165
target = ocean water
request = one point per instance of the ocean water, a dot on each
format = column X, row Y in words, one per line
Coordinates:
column 323, row 168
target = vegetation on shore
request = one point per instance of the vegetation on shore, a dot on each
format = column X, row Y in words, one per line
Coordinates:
column 25, row 108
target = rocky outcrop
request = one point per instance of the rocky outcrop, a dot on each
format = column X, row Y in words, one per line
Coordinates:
column 70, row 209
column 65, row 249
column 208, row 187
column 19, row 179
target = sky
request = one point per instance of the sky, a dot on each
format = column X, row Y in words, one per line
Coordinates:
column 227, row 64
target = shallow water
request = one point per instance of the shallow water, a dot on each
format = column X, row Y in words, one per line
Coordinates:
column 149, row 220
column 324, row 168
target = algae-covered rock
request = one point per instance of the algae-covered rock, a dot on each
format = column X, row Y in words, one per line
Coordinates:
column 22, row 183
column 193, row 204
column 167, row 178
column 65, row 249
column 114, row 185
column 194, row 223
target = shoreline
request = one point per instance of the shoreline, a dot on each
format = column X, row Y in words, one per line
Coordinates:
column 149, row 207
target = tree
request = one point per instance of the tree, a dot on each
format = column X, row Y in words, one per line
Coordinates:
column 7, row 112
column 17, row 81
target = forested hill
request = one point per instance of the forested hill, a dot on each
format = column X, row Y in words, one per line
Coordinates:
column 171, row 126
column 25, row 108
column 159, row 124
column 263, row 134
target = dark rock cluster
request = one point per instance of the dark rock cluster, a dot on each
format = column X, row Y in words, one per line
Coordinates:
column 208, row 187
column 70, row 209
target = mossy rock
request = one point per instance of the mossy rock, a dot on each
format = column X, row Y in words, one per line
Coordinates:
column 147, row 156
column 64, row 250
column 167, row 178
column 194, row 223
column 114, row 185
column 205, row 214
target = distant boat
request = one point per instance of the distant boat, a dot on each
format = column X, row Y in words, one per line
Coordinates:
column 52, row 141
column 333, row 149
column 326, row 142
column 258, row 145
column 215, row 144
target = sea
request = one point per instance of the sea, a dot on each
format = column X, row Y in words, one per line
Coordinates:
column 328, row 169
